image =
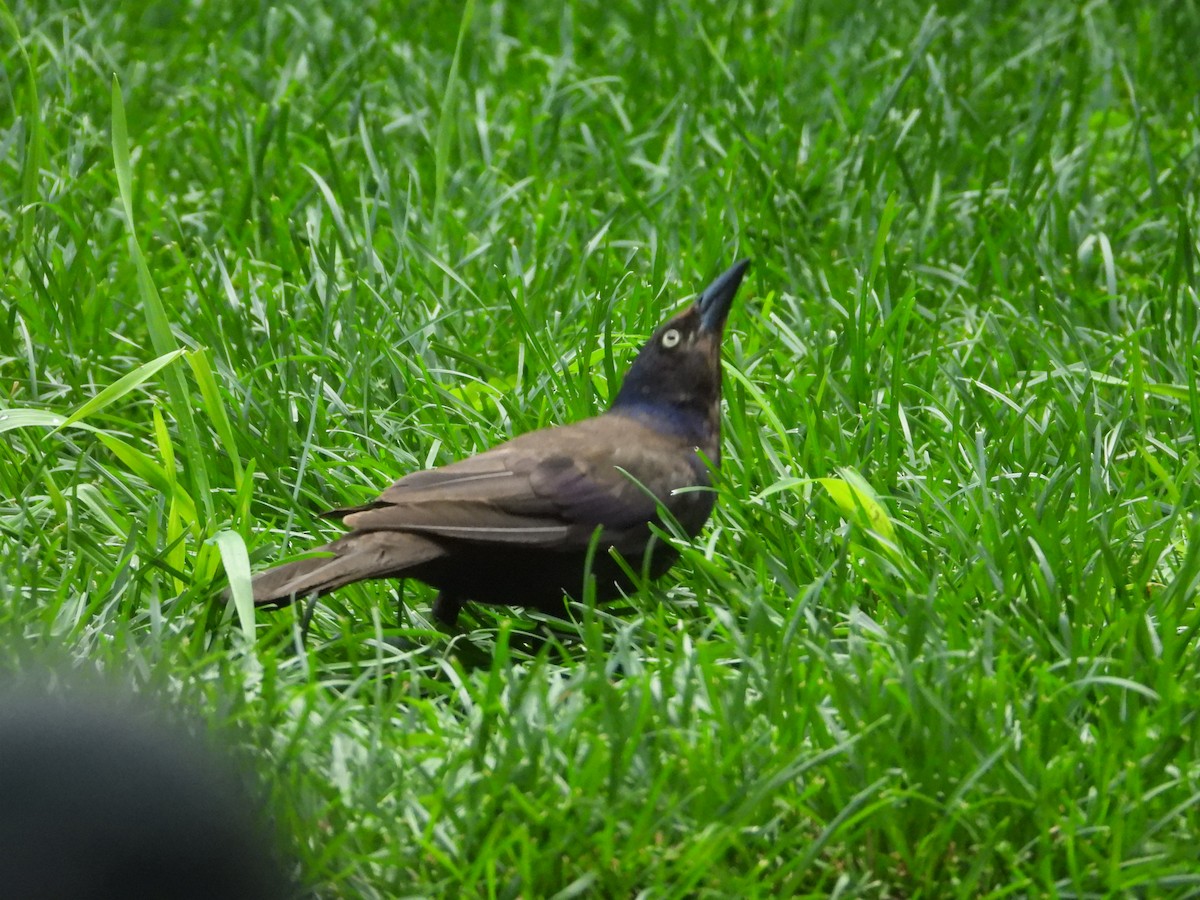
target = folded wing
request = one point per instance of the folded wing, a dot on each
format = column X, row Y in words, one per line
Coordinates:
column 548, row 489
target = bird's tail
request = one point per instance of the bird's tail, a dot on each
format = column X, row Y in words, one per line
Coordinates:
column 356, row 557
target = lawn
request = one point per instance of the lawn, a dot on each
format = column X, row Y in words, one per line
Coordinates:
column 940, row 638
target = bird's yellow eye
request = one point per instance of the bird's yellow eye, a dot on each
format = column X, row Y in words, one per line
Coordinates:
column 670, row 338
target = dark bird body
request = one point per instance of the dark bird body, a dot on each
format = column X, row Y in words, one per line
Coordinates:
column 514, row 524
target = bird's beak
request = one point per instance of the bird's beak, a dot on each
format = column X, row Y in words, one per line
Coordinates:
column 717, row 298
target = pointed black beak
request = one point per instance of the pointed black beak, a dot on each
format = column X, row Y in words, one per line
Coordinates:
column 717, row 298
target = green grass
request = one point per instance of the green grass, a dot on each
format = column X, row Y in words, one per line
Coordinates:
column 964, row 664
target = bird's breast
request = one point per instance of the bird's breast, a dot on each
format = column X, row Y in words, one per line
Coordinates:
column 691, row 506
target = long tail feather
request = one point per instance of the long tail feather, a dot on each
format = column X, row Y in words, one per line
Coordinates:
column 356, row 557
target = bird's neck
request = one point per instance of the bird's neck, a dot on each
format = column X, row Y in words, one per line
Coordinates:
column 693, row 423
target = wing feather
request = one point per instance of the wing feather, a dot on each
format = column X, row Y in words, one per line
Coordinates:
column 549, row 489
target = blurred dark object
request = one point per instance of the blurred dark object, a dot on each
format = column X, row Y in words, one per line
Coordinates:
column 100, row 798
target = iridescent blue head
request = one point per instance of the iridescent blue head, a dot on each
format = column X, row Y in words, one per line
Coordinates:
column 674, row 383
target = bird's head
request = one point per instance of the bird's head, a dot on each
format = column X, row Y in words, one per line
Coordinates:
column 675, row 381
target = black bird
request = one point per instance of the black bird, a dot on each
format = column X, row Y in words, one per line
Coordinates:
column 513, row 525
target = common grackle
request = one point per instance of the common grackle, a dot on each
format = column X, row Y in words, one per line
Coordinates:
column 513, row 525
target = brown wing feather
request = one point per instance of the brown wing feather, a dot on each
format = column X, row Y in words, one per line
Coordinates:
column 549, row 488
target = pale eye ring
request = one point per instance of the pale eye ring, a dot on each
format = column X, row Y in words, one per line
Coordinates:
column 670, row 338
